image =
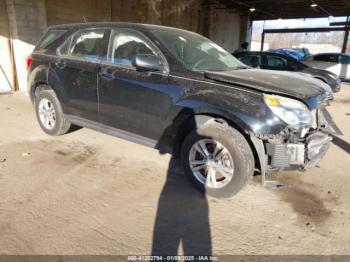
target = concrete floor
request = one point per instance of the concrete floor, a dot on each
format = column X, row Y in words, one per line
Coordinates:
column 89, row 193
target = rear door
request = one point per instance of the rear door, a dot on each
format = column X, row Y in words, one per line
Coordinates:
column 130, row 100
column 74, row 72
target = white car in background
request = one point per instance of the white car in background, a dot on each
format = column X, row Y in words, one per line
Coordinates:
column 336, row 63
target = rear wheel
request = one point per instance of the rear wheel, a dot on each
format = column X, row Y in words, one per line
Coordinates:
column 217, row 159
column 49, row 113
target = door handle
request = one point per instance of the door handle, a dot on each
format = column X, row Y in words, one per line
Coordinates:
column 60, row 64
column 106, row 74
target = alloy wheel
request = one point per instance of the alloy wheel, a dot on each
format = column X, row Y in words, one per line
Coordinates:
column 211, row 163
column 47, row 113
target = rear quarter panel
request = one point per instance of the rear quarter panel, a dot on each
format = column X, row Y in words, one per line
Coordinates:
column 38, row 73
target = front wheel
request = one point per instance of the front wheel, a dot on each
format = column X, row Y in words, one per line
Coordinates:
column 217, row 159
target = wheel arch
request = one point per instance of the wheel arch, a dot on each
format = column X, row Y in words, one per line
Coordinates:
column 37, row 77
column 201, row 119
column 37, row 87
column 321, row 78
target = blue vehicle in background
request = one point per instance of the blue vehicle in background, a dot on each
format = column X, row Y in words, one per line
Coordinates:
column 296, row 53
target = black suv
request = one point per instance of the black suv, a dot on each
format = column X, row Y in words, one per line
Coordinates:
column 181, row 93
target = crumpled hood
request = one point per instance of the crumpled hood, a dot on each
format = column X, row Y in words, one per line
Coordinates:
column 278, row 82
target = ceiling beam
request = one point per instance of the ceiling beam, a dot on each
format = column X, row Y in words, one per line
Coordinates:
column 347, row 3
column 274, row 9
column 304, row 30
column 321, row 8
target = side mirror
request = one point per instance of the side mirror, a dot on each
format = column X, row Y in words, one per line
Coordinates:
column 148, row 63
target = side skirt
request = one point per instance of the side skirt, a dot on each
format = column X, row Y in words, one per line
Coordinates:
column 79, row 121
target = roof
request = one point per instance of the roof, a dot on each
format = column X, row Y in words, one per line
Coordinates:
column 330, row 53
column 114, row 24
column 274, row 9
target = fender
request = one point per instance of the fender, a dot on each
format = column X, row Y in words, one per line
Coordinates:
column 39, row 76
column 321, row 78
column 190, row 114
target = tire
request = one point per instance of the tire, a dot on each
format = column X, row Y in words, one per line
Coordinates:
column 234, row 148
column 59, row 124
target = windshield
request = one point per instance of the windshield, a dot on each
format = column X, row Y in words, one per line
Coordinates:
column 196, row 52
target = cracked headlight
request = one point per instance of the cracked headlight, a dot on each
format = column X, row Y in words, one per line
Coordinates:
column 291, row 111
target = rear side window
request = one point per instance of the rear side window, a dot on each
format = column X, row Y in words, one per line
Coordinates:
column 49, row 38
column 87, row 44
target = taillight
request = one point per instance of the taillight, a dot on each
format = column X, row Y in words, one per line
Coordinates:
column 29, row 62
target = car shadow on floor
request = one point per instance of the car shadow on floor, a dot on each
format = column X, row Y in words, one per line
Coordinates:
column 341, row 144
column 182, row 217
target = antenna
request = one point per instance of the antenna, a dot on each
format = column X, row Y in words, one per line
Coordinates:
column 84, row 19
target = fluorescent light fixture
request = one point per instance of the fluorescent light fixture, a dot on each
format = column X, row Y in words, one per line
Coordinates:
column 252, row 9
column 313, row 5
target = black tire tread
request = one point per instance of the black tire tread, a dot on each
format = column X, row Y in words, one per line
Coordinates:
column 238, row 141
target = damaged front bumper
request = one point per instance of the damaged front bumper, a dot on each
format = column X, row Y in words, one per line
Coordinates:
column 302, row 155
column 294, row 149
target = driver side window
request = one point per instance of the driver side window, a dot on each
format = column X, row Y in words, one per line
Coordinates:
column 252, row 60
column 276, row 61
column 125, row 45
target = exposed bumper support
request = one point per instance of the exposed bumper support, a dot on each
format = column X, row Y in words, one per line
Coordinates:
column 301, row 155
column 290, row 156
column 263, row 159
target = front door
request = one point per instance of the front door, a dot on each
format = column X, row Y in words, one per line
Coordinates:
column 74, row 72
column 130, row 100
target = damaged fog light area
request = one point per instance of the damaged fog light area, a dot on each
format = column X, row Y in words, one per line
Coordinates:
column 292, row 149
column 300, row 145
column 299, row 154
